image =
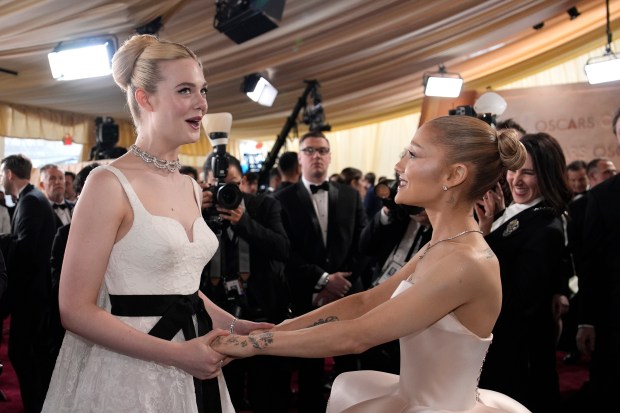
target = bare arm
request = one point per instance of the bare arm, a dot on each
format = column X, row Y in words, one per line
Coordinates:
column 350, row 307
column 441, row 289
column 226, row 321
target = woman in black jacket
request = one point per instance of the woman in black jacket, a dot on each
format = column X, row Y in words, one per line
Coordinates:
column 529, row 241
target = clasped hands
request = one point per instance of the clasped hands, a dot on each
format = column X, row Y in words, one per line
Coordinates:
column 197, row 356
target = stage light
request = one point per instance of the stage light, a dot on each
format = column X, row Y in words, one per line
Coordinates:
column 605, row 68
column 442, row 83
column 259, row 89
column 82, row 58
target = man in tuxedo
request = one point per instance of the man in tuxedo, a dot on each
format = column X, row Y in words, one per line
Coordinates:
column 323, row 222
column 598, row 334
column 598, row 170
column 247, row 278
column 57, row 331
column 578, row 177
column 52, row 183
column 70, row 194
column 288, row 165
column 29, row 289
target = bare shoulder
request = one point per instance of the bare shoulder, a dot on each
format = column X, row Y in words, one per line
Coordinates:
column 474, row 265
column 102, row 176
column 102, row 191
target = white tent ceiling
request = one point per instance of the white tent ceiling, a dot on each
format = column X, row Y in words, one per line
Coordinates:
column 368, row 55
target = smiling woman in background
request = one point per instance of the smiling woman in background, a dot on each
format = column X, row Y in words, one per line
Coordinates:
column 529, row 241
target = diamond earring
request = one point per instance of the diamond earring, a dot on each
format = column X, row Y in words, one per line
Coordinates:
column 444, row 187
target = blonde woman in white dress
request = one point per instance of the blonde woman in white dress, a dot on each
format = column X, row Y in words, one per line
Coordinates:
column 138, row 335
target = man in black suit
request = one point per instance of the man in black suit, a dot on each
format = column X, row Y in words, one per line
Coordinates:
column 52, row 184
column 4, row 281
column 288, row 165
column 598, row 170
column 323, row 222
column 598, row 334
column 29, row 290
column 57, row 331
column 250, row 283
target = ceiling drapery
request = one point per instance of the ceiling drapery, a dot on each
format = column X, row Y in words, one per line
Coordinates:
column 368, row 55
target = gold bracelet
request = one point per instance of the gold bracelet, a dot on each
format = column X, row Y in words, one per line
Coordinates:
column 232, row 325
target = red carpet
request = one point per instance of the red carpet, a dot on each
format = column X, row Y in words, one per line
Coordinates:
column 572, row 380
column 8, row 380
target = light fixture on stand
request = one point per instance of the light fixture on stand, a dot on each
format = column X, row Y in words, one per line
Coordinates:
column 442, row 83
column 605, row 68
column 83, row 58
column 489, row 106
column 259, row 89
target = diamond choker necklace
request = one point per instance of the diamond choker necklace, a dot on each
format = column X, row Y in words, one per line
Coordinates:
column 171, row 166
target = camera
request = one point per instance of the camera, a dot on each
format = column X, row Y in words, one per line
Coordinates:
column 225, row 195
column 386, row 191
column 314, row 114
column 106, row 140
column 468, row 110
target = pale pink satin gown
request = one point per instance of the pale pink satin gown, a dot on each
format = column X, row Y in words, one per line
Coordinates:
column 439, row 366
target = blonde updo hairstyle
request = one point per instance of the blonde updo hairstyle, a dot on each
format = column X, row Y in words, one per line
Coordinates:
column 487, row 152
column 136, row 65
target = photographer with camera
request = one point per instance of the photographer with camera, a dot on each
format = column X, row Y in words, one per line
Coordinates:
column 246, row 276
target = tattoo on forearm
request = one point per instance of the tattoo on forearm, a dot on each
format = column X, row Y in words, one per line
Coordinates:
column 260, row 341
column 325, row 320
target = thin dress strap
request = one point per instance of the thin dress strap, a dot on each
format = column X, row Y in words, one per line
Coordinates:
column 134, row 201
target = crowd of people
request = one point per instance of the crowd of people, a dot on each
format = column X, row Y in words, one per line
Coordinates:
column 130, row 287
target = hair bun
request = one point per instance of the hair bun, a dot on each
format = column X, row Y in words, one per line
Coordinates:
column 512, row 153
column 125, row 58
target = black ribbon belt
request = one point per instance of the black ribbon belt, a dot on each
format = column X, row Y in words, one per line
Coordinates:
column 176, row 313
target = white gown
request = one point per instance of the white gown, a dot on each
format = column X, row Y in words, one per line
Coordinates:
column 155, row 257
column 439, row 367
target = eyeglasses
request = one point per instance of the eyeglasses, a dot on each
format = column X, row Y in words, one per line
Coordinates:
column 310, row 151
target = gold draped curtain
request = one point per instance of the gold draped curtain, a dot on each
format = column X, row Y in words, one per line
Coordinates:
column 21, row 121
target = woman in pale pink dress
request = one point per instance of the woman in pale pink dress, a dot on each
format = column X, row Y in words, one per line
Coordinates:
column 442, row 305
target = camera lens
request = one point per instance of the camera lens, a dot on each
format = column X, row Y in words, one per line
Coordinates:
column 382, row 189
column 229, row 196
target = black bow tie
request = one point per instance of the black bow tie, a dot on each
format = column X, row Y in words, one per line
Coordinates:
column 61, row 206
column 324, row 186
